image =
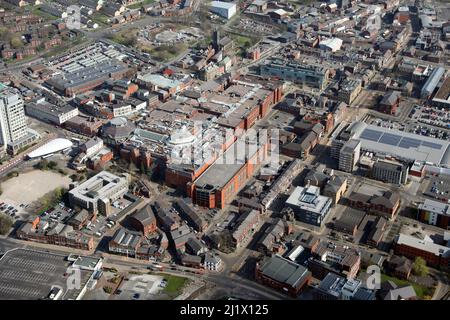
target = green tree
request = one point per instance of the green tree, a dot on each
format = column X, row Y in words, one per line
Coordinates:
column 52, row 165
column 5, row 224
column 16, row 42
column 420, row 267
column 42, row 165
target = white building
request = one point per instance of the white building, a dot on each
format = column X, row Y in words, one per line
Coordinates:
column 14, row 133
column 223, row 9
column 99, row 192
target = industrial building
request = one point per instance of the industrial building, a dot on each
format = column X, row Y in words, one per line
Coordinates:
column 308, row 205
column 99, row 192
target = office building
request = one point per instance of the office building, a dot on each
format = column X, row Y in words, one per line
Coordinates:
column 390, row 171
column 301, row 73
column 99, row 192
column 435, row 213
column 14, row 134
column 349, row 155
column 308, row 205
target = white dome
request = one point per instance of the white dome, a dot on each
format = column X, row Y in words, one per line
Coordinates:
column 50, row 147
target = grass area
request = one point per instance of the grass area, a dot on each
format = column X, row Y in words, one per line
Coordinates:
column 140, row 4
column 100, row 18
column 38, row 12
column 421, row 291
column 164, row 53
column 174, row 285
column 127, row 37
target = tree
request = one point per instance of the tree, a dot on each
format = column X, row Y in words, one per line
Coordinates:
column 43, row 165
column 5, row 224
column 52, row 165
column 16, row 42
column 420, row 267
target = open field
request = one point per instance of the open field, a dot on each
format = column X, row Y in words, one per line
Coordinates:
column 30, row 186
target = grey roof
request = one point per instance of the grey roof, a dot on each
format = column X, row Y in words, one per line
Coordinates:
column 126, row 238
column 401, row 293
column 284, row 271
column 401, row 144
column 145, row 215
column 390, row 98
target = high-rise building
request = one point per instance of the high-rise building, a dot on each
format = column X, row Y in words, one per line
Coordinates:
column 14, row 133
column 349, row 155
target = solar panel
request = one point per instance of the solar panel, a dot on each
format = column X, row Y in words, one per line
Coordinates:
column 371, row 135
column 431, row 145
column 390, row 139
column 409, row 143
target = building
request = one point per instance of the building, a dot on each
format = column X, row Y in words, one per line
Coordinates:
column 143, row 220
column 390, row 102
column 411, row 247
column 282, row 274
column 308, row 205
column 442, row 97
column 335, row 188
column 330, row 258
column 223, row 9
column 349, row 90
column 125, row 242
column 385, row 204
column 92, row 146
column 212, row 262
column 350, row 221
column 218, row 185
column 390, row 171
column 193, row 217
column 432, row 82
column 401, row 145
column 435, row 213
column 56, row 234
column 334, row 287
column 301, row 73
column 51, row 113
column 399, row 267
column 349, row 155
column 99, row 192
column 248, row 224
column 51, row 147
column 14, row 134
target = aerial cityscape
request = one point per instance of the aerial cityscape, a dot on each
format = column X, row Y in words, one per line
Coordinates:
column 225, row 150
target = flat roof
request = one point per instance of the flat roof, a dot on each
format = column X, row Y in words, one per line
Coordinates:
column 223, row 5
column 226, row 166
column 30, row 275
column 401, row 144
column 423, row 245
